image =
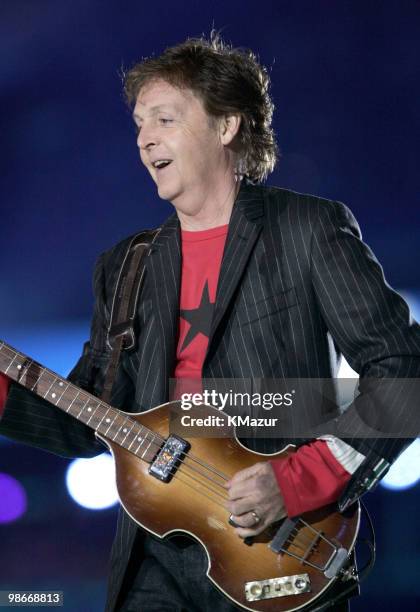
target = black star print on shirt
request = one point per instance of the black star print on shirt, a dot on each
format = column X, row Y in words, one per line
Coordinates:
column 199, row 318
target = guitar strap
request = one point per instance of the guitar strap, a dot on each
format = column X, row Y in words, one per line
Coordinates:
column 120, row 335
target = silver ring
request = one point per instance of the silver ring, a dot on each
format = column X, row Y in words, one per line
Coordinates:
column 232, row 522
column 257, row 518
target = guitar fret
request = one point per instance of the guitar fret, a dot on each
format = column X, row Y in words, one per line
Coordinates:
column 117, row 425
column 71, row 403
column 91, row 410
column 128, row 433
column 100, row 424
column 146, row 449
column 142, row 439
column 85, row 404
column 111, row 424
column 61, row 384
column 10, row 364
column 140, row 447
column 48, row 390
column 136, row 433
column 24, row 371
column 121, row 430
column 54, row 389
column 37, row 380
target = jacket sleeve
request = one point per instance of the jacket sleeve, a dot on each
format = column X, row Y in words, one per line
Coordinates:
column 372, row 326
column 30, row 419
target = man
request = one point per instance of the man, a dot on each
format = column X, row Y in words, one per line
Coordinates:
column 243, row 281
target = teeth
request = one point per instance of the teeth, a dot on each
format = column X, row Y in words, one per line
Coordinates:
column 161, row 163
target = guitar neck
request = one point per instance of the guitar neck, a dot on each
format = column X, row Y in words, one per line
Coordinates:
column 110, row 423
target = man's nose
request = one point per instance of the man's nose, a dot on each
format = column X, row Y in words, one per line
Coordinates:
column 146, row 138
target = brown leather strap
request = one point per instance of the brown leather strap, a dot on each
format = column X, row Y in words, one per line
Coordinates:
column 124, row 305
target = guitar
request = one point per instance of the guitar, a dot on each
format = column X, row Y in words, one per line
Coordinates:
column 170, row 484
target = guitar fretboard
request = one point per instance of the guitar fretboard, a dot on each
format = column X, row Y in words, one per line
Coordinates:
column 111, row 423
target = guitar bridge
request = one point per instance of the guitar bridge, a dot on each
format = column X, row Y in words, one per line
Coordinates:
column 288, row 534
column 165, row 464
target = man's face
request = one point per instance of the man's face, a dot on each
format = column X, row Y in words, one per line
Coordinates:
column 179, row 144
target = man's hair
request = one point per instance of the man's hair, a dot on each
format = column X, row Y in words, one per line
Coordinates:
column 228, row 81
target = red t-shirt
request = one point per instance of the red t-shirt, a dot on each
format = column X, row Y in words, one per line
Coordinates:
column 202, row 254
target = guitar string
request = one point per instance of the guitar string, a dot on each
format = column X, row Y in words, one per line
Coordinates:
column 295, row 531
column 212, row 468
column 194, row 469
column 179, row 470
column 201, row 492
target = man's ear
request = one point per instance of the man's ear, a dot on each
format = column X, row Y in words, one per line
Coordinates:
column 229, row 127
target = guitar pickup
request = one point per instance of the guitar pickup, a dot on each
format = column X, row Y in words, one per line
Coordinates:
column 283, row 586
column 165, row 464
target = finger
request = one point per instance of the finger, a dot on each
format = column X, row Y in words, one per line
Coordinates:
column 246, row 521
column 244, row 532
column 240, row 506
column 244, row 488
column 244, row 474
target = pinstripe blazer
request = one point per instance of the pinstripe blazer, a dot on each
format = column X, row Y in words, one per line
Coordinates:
column 297, row 288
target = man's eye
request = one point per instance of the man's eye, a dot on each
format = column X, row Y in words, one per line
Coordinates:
column 165, row 121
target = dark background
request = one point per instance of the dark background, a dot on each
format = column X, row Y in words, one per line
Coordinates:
column 346, row 88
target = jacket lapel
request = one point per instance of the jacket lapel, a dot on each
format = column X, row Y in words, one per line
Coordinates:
column 244, row 228
column 164, row 266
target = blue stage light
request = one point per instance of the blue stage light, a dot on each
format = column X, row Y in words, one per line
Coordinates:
column 412, row 297
column 91, row 482
column 405, row 472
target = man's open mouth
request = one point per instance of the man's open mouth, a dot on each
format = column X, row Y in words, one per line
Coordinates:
column 161, row 163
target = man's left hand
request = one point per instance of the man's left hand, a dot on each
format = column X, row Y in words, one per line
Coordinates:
column 255, row 500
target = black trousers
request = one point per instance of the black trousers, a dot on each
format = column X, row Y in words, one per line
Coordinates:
column 172, row 578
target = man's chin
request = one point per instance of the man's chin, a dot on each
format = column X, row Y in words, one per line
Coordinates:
column 166, row 193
